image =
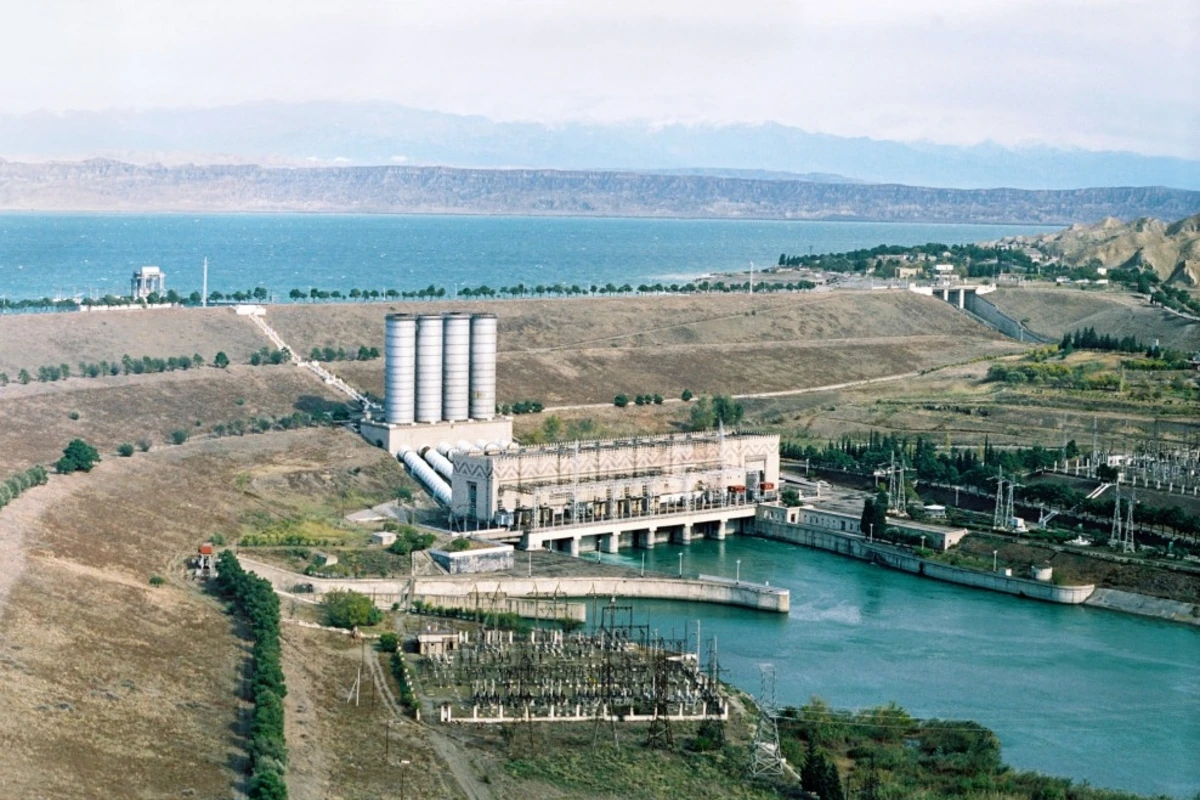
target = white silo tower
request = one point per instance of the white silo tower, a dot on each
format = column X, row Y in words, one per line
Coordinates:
column 456, row 367
column 429, row 368
column 400, row 369
column 483, row 366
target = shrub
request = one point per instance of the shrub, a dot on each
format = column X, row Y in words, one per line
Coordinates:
column 179, row 436
column 125, row 450
column 346, row 609
column 143, row 445
column 78, row 456
column 621, row 400
column 389, row 642
column 687, row 395
column 157, row 580
column 74, row 415
column 460, row 544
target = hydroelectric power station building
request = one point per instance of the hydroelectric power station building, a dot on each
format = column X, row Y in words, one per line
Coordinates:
column 440, row 419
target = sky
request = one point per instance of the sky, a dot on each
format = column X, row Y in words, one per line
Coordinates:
column 1094, row 74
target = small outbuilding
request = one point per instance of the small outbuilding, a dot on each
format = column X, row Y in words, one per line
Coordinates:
column 384, row 538
column 437, row 641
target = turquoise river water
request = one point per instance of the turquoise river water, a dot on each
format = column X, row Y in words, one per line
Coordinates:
column 1083, row 693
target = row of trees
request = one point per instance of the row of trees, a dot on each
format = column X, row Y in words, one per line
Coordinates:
column 1085, row 377
column 1177, row 299
column 522, row 407
column 255, row 600
column 268, row 355
column 1088, row 339
column 13, row 486
column 622, row 400
column 147, row 365
column 978, row 467
column 968, row 466
column 327, row 353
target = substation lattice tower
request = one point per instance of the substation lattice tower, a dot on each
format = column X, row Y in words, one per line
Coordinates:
column 766, row 757
column 897, row 501
column 660, row 734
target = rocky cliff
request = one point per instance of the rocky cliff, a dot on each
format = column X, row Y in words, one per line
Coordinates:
column 103, row 185
column 1172, row 250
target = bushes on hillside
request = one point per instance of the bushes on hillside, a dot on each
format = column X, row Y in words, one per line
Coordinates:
column 78, row 456
column 257, row 602
column 12, row 487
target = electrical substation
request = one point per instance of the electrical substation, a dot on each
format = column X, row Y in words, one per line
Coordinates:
column 618, row 672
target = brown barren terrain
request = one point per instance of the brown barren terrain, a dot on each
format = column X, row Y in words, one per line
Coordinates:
column 110, row 687
column 586, row 350
column 29, row 341
column 1053, row 312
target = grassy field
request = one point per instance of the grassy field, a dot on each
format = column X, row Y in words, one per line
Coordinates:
column 1053, row 312
column 111, row 687
column 38, row 418
column 34, row 340
column 587, row 350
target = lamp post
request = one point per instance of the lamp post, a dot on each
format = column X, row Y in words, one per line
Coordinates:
column 643, row 565
column 922, row 541
column 681, row 565
column 994, row 552
column 870, row 531
column 403, row 763
column 738, row 572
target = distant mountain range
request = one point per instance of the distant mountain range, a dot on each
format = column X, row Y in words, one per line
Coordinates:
column 380, row 134
column 104, row 185
column 1171, row 250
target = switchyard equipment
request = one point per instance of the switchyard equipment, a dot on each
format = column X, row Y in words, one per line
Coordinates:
column 613, row 674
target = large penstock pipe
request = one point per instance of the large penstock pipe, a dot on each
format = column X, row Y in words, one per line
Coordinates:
column 426, row 475
column 439, row 462
column 456, row 367
column 429, row 368
column 400, row 368
column 483, row 366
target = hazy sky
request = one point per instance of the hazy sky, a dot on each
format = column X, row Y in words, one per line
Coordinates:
column 1091, row 73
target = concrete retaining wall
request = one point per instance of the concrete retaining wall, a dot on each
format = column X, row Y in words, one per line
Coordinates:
column 522, row 607
column 385, row 592
column 764, row 598
column 989, row 313
column 1131, row 603
column 857, row 546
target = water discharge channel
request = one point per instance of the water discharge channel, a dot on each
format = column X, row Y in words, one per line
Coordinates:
column 1078, row 692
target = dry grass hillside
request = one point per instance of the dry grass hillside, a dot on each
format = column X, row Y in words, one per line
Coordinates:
column 1053, row 312
column 587, row 350
column 38, row 424
column 29, row 341
column 1171, row 250
column 110, row 687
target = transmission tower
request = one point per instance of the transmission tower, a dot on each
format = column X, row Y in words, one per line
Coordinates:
column 1127, row 543
column 660, row 734
column 896, row 500
column 999, row 521
column 1116, row 536
column 766, row 758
